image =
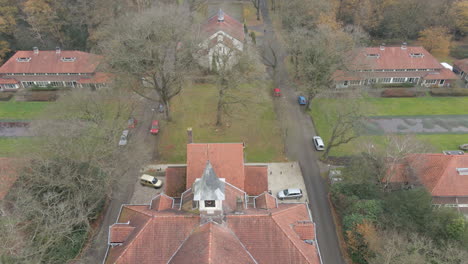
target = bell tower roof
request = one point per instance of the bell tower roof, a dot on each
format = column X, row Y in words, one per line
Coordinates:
column 209, row 187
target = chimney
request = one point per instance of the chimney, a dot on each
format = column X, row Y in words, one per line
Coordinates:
column 239, row 206
column 403, row 46
column 189, row 135
column 36, row 50
column 220, row 15
column 382, row 46
column 57, row 50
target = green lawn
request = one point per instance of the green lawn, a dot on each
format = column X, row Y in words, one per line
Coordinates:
column 21, row 110
column 393, row 107
column 255, row 124
column 16, row 146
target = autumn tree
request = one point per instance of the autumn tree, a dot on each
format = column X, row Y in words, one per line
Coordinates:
column 459, row 12
column 436, row 40
column 8, row 16
column 256, row 4
column 152, row 50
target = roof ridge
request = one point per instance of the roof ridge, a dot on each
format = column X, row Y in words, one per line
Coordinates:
column 242, row 244
column 130, row 207
column 292, row 240
column 294, row 205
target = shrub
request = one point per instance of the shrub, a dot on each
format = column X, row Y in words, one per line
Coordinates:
column 41, row 96
column 449, row 92
column 5, row 96
column 398, row 93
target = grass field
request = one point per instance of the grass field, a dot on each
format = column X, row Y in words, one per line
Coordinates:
column 255, row 124
column 393, row 107
column 21, row 110
column 16, row 146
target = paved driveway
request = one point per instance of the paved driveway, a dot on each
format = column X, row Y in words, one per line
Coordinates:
column 299, row 131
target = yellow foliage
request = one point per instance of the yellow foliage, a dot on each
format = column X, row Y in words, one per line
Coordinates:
column 436, row 40
column 328, row 19
column 460, row 14
column 7, row 16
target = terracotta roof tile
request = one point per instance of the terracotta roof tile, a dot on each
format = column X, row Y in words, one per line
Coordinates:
column 305, row 230
column 256, row 179
column 212, row 243
column 175, row 181
column 461, row 64
column 443, row 74
column 98, row 77
column 161, row 202
column 265, row 201
column 120, row 232
column 394, row 58
column 230, row 26
column 227, row 160
column 437, row 172
column 8, row 81
column 47, row 61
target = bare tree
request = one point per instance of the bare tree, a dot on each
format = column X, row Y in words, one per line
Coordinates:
column 270, row 58
column 232, row 68
column 152, row 50
column 346, row 121
column 322, row 54
column 256, row 4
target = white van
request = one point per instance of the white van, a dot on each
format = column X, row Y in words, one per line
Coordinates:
column 148, row 180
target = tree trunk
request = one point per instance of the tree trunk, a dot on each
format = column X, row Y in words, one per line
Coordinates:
column 219, row 109
column 258, row 9
column 167, row 111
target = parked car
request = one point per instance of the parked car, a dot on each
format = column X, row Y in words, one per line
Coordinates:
column 293, row 193
column 277, row 92
column 302, row 100
column 132, row 122
column 318, row 143
column 151, row 181
column 123, row 138
column 154, row 127
column 464, row 147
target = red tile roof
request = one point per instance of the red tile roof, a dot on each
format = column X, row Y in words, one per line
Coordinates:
column 118, row 233
column 8, row 81
column 230, row 26
column 212, row 243
column 8, row 175
column 98, row 77
column 256, row 179
column 305, row 230
column 227, row 160
column 265, row 236
column 265, row 201
column 461, row 64
column 443, row 74
column 394, row 58
column 437, row 172
column 48, row 61
column 161, row 202
column 176, row 178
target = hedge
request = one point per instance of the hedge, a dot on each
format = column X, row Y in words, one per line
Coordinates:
column 398, row 93
column 449, row 92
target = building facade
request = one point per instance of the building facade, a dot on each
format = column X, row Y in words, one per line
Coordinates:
column 223, row 41
column 56, row 68
column 393, row 66
column 214, row 220
column 460, row 67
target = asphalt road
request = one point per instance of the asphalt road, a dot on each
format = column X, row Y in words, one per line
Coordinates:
column 141, row 145
column 299, row 130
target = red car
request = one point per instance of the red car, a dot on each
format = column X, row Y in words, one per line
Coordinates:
column 132, row 122
column 154, row 127
column 277, row 92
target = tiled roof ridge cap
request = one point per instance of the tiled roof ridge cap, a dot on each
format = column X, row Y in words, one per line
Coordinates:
column 242, row 244
column 130, row 207
column 294, row 205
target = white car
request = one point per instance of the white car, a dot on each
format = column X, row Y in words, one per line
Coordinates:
column 123, row 138
column 318, row 143
column 292, row 193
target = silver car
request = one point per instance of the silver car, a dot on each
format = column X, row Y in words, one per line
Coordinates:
column 318, row 143
column 123, row 138
column 292, row 193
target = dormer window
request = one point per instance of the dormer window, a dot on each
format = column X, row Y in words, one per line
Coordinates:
column 373, row 55
column 417, row 55
column 23, row 59
column 68, row 59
